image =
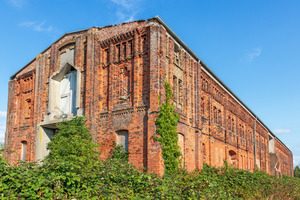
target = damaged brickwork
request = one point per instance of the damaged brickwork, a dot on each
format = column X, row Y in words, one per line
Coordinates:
column 114, row 76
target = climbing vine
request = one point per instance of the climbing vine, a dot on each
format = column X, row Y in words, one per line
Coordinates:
column 167, row 129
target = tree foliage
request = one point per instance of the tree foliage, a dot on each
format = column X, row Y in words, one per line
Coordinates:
column 297, row 172
column 73, row 144
column 115, row 178
column 167, row 129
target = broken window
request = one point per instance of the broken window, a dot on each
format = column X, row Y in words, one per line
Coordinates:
column 122, row 139
column 177, row 55
column 232, row 157
column 24, row 151
column 219, row 117
column 67, row 55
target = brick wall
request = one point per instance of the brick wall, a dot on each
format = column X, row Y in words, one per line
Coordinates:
column 122, row 72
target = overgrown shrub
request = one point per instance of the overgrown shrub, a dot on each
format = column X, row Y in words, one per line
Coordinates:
column 166, row 124
column 73, row 144
column 115, row 178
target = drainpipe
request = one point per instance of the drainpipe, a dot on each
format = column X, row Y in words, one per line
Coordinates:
column 254, row 138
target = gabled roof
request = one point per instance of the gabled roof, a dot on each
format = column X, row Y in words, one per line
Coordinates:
column 69, row 33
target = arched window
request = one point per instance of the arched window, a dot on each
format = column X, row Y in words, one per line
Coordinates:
column 24, row 150
column 122, row 139
column 232, row 157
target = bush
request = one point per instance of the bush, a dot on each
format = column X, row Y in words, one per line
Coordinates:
column 79, row 177
column 73, row 144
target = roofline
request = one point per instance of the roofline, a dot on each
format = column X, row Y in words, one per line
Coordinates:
column 14, row 75
column 205, row 66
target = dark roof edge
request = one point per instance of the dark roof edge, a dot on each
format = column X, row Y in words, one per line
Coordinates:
column 14, row 75
column 188, row 49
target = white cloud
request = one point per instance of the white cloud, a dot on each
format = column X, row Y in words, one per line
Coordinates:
column 254, row 53
column 282, row 131
column 17, row 3
column 2, row 131
column 127, row 4
column 37, row 26
column 126, row 10
column 2, row 114
column 296, row 160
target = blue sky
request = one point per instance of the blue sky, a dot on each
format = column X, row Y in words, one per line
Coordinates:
column 252, row 45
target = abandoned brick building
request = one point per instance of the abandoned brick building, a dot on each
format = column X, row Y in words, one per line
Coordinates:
column 114, row 76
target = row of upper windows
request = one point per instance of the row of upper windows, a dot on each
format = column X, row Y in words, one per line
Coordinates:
column 123, row 51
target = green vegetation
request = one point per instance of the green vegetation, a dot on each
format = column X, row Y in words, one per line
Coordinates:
column 78, row 177
column 73, row 144
column 1, row 148
column 297, row 171
column 167, row 129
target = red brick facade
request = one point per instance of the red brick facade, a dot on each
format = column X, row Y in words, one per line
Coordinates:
column 120, row 72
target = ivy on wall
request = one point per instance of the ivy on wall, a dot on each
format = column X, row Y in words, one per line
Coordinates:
column 167, row 129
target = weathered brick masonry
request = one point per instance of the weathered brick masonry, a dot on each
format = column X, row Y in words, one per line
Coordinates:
column 114, row 76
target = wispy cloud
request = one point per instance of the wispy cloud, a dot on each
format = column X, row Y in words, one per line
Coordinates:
column 282, row 131
column 17, row 3
column 254, row 53
column 37, row 26
column 2, row 114
column 2, row 130
column 127, row 9
column 296, row 160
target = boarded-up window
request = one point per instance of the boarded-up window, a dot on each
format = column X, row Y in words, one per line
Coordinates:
column 221, row 157
column 68, row 93
column 181, row 144
column 122, row 139
column 24, row 151
column 217, row 156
